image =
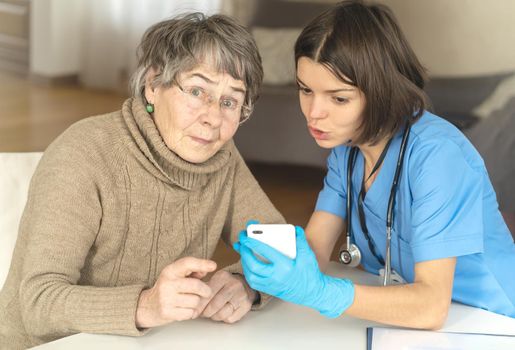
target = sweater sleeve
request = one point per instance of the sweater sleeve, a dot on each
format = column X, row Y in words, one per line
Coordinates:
column 58, row 229
column 248, row 202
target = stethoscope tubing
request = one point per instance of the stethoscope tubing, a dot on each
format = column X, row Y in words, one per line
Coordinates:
column 391, row 203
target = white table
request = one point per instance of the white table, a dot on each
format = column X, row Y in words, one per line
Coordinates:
column 280, row 326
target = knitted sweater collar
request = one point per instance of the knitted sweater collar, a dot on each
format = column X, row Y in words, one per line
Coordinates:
column 173, row 168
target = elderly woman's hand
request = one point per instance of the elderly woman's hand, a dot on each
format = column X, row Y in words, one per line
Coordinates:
column 176, row 294
column 231, row 298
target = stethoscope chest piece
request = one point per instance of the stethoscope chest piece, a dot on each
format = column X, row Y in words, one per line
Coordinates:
column 350, row 257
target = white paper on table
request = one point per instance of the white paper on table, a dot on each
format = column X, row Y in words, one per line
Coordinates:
column 392, row 338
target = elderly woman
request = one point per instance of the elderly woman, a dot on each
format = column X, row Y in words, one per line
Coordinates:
column 125, row 209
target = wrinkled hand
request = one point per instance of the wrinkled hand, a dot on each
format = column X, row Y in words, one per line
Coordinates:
column 176, row 294
column 231, row 298
column 298, row 281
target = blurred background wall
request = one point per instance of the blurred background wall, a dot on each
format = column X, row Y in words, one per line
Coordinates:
column 463, row 37
column 66, row 37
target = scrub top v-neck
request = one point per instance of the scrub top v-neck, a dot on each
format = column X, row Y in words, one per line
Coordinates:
column 445, row 207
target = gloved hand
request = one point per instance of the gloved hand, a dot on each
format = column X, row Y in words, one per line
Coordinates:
column 298, row 281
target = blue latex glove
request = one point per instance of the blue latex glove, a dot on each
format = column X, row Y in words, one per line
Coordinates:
column 298, row 281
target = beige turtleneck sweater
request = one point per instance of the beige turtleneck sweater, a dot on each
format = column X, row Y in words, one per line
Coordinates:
column 108, row 207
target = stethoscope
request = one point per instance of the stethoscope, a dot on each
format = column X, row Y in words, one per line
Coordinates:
column 350, row 254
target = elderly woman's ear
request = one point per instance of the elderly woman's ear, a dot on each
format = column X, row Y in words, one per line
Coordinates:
column 149, row 85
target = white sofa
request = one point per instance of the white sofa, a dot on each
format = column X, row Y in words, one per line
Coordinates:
column 16, row 170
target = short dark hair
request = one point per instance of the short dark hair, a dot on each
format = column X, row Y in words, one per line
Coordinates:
column 363, row 45
column 179, row 44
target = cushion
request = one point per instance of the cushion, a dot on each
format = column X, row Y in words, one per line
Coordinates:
column 276, row 48
column 494, row 138
column 457, row 98
column 276, row 24
column 16, row 170
column 498, row 99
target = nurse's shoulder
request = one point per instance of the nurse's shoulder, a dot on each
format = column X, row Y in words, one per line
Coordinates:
column 432, row 133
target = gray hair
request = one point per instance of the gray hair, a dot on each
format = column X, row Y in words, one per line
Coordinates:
column 180, row 44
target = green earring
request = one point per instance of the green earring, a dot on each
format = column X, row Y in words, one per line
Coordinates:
column 150, row 108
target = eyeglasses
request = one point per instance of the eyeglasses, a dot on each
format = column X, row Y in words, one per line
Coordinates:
column 232, row 109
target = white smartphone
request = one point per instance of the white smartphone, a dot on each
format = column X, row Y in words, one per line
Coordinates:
column 279, row 237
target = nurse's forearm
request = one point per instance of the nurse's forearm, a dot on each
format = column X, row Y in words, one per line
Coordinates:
column 423, row 304
column 415, row 305
column 322, row 232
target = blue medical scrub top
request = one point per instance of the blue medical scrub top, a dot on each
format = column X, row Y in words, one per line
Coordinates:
column 445, row 207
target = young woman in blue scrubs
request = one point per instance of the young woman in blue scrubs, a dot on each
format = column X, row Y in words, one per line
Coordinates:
column 361, row 86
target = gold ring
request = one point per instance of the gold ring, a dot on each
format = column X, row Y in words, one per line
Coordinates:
column 232, row 305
